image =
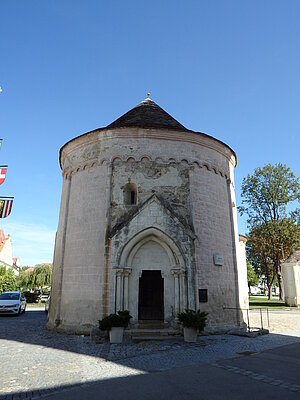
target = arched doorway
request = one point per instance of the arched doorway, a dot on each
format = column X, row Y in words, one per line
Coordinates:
column 151, row 278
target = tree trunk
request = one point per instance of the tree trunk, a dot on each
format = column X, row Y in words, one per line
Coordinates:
column 270, row 295
column 269, row 284
column 280, row 283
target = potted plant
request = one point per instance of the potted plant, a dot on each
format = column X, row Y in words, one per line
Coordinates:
column 115, row 324
column 192, row 321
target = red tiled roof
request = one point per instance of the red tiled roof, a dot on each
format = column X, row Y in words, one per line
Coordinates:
column 28, row 270
column 3, row 239
column 2, row 236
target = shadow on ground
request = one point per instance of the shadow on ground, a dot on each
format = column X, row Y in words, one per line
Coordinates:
column 218, row 381
column 172, row 370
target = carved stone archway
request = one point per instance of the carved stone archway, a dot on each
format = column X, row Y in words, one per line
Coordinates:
column 166, row 257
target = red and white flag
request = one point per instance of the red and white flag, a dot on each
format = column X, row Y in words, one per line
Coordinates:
column 2, row 174
column 5, row 207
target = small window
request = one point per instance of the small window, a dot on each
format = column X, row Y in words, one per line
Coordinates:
column 130, row 194
column 132, row 197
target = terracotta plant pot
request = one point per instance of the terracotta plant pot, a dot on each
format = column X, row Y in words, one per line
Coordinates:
column 116, row 335
column 190, row 334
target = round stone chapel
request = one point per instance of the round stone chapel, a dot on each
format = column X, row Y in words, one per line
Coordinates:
column 148, row 223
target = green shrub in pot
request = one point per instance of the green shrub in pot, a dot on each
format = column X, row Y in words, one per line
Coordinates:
column 115, row 324
column 121, row 319
column 193, row 319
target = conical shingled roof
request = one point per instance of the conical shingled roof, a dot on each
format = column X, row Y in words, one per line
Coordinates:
column 147, row 114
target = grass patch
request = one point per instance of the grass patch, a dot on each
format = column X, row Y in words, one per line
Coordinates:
column 35, row 305
column 263, row 302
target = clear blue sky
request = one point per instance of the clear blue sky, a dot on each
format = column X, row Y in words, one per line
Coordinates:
column 227, row 68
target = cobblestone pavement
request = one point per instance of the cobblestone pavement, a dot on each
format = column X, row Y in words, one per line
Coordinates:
column 34, row 361
column 281, row 321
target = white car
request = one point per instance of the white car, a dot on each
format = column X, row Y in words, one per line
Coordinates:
column 255, row 290
column 44, row 297
column 12, row 303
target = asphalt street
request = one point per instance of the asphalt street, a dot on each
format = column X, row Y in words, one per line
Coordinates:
column 272, row 374
column 36, row 363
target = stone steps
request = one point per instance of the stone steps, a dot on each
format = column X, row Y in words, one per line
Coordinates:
column 152, row 325
column 140, row 334
column 137, row 339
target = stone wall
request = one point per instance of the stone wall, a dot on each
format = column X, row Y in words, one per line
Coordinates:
column 212, row 217
column 79, row 260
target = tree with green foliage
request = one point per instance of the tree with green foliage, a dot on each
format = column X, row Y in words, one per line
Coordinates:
column 265, row 197
column 7, row 279
column 23, row 280
column 266, row 193
column 253, row 278
column 284, row 237
column 40, row 276
column 258, row 252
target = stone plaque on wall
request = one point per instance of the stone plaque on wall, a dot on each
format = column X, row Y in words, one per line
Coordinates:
column 218, row 259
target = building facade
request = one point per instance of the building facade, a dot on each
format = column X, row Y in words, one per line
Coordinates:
column 147, row 223
column 290, row 270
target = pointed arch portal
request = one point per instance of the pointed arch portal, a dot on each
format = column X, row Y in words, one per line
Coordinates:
column 151, row 277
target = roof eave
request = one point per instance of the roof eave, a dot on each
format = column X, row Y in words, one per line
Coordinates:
column 166, row 129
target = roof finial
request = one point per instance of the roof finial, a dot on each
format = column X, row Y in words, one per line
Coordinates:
column 148, row 95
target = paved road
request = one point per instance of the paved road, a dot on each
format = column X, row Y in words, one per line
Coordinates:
column 257, row 377
column 279, row 321
column 35, row 362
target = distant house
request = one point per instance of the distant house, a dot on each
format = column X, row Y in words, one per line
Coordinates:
column 6, row 258
column 29, row 270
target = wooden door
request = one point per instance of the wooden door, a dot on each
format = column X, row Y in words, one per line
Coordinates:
column 151, row 296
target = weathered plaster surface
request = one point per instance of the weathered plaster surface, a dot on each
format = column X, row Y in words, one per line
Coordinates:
column 171, row 182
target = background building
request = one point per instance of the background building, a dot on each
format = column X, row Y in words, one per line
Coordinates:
column 291, row 279
column 6, row 258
